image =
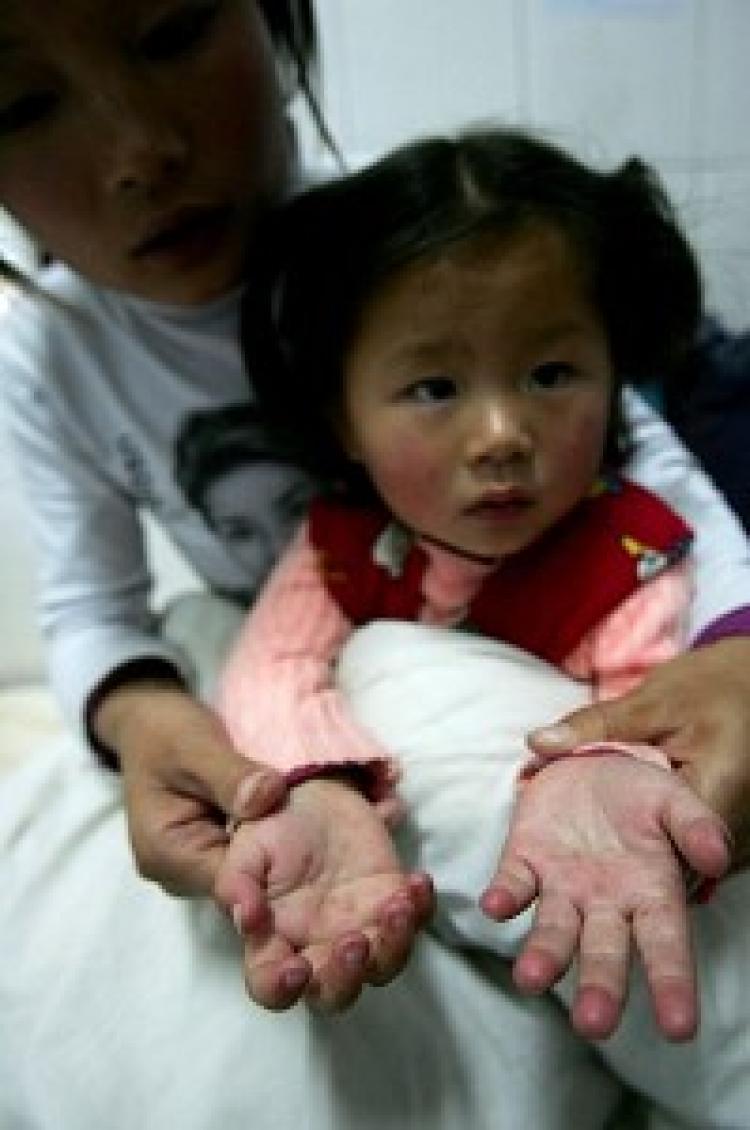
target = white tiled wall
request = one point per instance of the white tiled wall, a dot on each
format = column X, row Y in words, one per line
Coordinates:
column 668, row 79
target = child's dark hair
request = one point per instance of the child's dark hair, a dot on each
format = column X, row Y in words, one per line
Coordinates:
column 328, row 252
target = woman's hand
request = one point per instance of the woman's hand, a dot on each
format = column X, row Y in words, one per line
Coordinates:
column 697, row 709
column 182, row 778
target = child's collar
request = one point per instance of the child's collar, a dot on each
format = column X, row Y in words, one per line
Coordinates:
column 393, row 545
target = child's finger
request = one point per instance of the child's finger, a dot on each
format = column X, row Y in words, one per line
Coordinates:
column 275, row 976
column 512, row 888
column 277, row 985
column 392, row 939
column 700, row 836
column 662, row 935
column 240, row 891
column 603, row 970
column 549, row 946
column 422, row 893
column 374, row 956
column 339, row 971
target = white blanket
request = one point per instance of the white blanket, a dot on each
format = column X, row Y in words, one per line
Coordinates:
column 123, row 1008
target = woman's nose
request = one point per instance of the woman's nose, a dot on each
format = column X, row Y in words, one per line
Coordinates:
column 145, row 149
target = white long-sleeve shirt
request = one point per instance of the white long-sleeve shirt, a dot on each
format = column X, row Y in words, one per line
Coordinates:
column 97, row 387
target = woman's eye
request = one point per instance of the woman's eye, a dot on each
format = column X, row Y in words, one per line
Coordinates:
column 27, row 111
column 432, row 390
column 554, row 374
column 179, row 33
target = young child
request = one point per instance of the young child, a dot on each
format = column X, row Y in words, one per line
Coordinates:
column 446, row 336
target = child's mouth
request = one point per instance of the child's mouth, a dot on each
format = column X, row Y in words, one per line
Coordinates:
column 502, row 506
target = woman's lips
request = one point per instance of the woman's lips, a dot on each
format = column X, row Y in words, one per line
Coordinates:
column 191, row 234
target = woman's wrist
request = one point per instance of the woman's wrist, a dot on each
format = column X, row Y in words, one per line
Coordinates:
column 124, row 703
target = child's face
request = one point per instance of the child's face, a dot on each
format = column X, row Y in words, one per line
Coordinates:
column 140, row 139
column 478, row 392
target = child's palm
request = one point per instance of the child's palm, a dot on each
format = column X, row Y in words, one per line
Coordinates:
column 593, row 839
column 323, row 896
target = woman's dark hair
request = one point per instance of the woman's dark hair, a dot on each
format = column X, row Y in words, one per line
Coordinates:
column 328, row 252
column 294, row 32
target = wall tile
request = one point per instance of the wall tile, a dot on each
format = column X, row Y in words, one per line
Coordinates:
column 616, row 76
column 723, row 112
column 396, row 68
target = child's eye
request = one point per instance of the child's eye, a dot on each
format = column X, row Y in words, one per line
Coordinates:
column 179, row 32
column 431, row 390
column 27, row 111
column 553, row 374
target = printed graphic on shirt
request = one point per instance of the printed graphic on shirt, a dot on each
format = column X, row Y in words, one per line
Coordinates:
column 136, row 470
column 248, row 490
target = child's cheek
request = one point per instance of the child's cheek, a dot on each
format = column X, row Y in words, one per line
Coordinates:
column 582, row 445
column 409, row 477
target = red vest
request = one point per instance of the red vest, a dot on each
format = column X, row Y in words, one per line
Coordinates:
column 544, row 599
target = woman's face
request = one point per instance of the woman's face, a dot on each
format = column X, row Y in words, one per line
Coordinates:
column 140, row 140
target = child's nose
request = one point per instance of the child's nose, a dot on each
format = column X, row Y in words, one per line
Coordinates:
column 499, row 432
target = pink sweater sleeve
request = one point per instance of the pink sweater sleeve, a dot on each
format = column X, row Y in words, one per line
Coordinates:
column 276, row 695
column 647, row 629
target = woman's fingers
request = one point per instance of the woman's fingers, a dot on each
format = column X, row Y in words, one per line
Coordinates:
column 640, row 716
column 206, row 765
column 182, row 778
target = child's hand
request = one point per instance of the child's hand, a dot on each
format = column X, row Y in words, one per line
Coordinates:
column 594, row 839
column 321, row 899
column 697, row 709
